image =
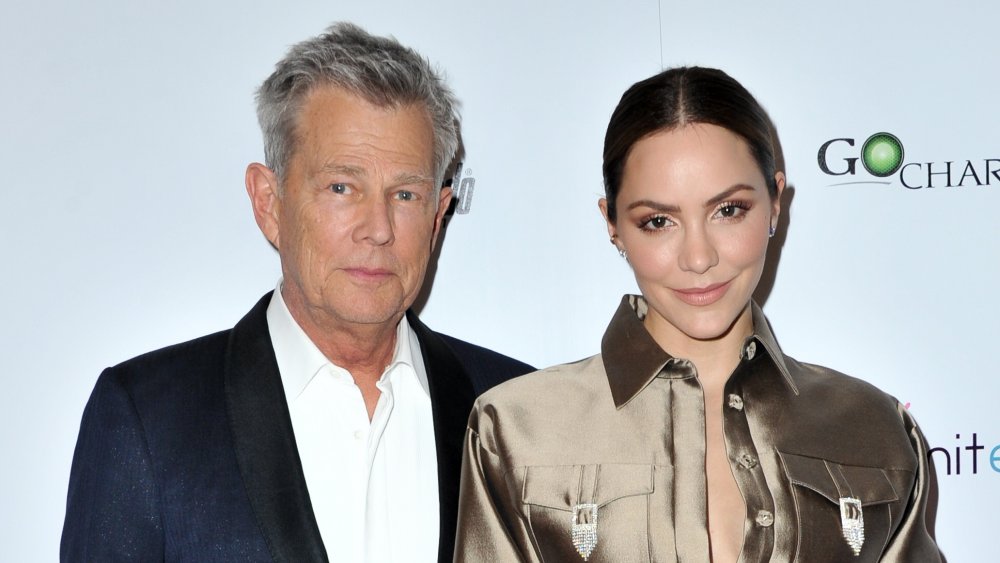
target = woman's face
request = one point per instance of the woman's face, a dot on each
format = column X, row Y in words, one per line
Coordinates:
column 693, row 216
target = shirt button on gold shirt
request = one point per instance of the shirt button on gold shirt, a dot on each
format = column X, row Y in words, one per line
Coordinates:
column 735, row 401
column 764, row 518
column 748, row 461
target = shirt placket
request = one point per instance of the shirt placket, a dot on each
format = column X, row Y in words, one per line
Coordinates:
column 687, row 452
column 758, row 541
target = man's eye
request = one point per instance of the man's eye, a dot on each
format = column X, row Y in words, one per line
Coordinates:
column 405, row 195
column 340, row 188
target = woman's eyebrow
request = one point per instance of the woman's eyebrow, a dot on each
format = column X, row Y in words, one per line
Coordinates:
column 715, row 200
column 654, row 205
column 726, row 194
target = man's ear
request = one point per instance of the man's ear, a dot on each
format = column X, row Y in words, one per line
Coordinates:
column 262, row 187
column 444, row 200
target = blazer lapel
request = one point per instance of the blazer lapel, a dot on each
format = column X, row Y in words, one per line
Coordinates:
column 452, row 396
column 265, row 444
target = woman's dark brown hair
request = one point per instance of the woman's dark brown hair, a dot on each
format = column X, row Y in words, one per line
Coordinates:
column 677, row 97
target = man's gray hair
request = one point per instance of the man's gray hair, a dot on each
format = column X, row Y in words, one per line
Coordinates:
column 378, row 69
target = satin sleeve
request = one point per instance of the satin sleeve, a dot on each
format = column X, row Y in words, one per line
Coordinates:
column 912, row 541
column 483, row 527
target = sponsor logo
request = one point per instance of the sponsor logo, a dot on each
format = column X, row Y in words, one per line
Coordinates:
column 966, row 456
column 883, row 161
column 463, row 185
column 970, row 452
column 882, row 154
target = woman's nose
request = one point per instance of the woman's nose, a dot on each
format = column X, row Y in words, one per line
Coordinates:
column 697, row 253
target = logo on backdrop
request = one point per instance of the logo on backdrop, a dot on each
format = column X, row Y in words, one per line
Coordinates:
column 883, row 161
column 966, row 456
column 463, row 185
column 970, row 450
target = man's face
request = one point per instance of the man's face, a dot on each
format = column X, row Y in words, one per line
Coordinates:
column 359, row 212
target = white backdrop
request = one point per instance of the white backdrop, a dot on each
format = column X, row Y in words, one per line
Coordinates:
column 125, row 129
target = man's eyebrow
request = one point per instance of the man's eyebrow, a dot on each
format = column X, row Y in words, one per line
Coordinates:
column 400, row 179
column 410, row 179
column 714, row 200
column 346, row 170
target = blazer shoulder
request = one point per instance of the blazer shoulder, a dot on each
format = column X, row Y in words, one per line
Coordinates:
column 485, row 368
column 479, row 355
column 205, row 353
column 197, row 355
column 482, row 367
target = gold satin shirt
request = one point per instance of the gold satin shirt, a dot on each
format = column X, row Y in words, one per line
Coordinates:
column 625, row 431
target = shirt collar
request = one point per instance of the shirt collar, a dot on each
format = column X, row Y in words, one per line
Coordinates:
column 408, row 354
column 632, row 358
column 299, row 359
column 764, row 335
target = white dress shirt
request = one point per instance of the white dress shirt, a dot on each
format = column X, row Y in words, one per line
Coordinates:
column 373, row 485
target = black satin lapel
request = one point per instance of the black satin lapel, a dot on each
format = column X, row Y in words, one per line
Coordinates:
column 452, row 396
column 265, row 444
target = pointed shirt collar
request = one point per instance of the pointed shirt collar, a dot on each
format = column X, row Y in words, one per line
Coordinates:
column 300, row 360
column 632, row 359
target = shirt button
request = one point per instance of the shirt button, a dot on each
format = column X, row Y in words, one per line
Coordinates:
column 358, row 434
column 748, row 461
column 735, row 401
column 764, row 518
column 751, row 350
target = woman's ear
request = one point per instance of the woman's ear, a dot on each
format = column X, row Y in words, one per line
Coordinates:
column 779, row 181
column 603, row 205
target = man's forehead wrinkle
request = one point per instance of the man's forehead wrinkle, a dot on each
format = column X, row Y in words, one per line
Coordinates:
column 370, row 162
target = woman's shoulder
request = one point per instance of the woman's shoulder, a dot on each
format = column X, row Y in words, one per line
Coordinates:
column 550, row 384
column 817, row 380
column 850, row 414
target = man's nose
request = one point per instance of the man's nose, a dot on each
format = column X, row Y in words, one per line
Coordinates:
column 375, row 224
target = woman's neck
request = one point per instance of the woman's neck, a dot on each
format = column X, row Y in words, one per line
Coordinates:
column 716, row 358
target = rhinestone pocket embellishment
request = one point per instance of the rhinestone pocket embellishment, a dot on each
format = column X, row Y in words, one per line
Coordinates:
column 852, row 522
column 584, row 530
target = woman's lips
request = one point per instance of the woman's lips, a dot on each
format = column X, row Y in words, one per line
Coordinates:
column 702, row 296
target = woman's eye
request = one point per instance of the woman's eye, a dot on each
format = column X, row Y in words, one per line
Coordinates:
column 655, row 223
column 732, row 210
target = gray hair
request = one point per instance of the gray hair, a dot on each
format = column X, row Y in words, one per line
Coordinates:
column 378, row 69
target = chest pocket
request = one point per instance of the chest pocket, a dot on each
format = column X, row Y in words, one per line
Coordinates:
column 817, row 487
column 553, row 496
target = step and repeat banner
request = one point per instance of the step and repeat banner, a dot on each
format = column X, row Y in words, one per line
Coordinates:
column 125, row 129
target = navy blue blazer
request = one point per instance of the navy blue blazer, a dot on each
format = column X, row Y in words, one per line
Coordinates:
column 187, row 453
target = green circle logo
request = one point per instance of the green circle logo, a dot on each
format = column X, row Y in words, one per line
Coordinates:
column 882, row 154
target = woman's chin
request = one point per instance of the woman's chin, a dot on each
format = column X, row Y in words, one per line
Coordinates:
column 708, row 333
column 709, row 326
